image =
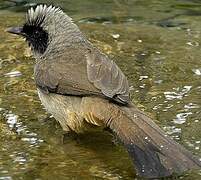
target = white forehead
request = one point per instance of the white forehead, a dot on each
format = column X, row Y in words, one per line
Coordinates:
column 41, row 12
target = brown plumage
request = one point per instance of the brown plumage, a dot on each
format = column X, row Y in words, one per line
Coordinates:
column 80, row 86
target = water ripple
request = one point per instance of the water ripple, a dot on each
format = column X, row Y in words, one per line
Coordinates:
column 179, row 94
column 181, row 117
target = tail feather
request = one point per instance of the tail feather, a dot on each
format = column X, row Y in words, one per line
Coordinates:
column 154, row 154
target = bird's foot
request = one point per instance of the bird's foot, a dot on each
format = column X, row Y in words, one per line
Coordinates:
column 68, row 136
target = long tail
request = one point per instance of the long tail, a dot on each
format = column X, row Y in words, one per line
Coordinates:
column 154, row 153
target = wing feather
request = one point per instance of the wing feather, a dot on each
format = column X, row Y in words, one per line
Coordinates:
column 107, row 76
column 84, row 72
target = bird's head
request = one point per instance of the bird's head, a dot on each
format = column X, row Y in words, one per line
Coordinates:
column 47, row 27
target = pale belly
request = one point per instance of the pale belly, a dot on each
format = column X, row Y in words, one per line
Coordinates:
column 65, row 109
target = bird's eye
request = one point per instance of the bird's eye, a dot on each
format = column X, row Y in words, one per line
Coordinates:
column 36, row 32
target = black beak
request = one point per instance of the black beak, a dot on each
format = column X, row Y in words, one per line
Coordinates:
column 15, row 30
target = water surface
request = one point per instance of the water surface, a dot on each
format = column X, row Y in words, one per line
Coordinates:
column 156, row 43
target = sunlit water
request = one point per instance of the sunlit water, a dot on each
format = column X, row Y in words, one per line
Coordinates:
column 157, row 45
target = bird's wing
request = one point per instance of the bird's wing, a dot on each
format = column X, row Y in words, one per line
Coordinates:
column 107, row 76
column 82, row 72
column 63, row 78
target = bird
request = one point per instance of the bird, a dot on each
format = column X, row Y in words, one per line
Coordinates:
column 84, row 89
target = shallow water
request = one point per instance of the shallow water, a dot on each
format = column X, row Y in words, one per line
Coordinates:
column 156, row 43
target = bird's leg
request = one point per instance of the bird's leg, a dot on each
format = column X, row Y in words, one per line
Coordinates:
column 68, row 134
column 115, row 139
